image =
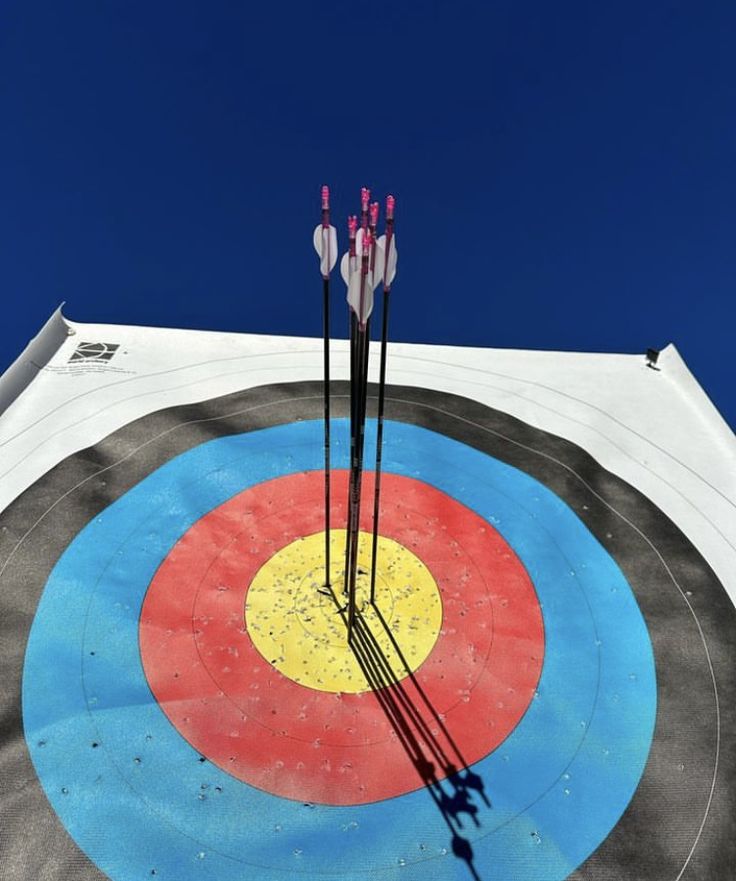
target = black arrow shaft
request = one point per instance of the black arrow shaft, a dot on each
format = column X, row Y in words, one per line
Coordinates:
column 379, row 440
column 326, row 346
column 359, row 389
column 348, row 543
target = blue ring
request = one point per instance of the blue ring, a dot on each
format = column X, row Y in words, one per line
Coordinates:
column 142, row 800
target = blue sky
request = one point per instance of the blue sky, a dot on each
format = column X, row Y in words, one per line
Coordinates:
column 564, row 173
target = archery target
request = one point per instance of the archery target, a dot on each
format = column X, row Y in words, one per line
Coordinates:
column 486, row 641
column 151, row 712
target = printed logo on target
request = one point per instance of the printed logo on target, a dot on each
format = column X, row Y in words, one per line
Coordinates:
column 94, row 352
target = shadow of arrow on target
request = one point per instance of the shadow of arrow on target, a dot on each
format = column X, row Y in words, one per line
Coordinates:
column 452, row 785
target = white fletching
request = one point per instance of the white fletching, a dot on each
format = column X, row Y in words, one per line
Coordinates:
column 346, row 267
column 325, row 244
column 378, row 263
column 354, row 298
column 359, row 237
column 353, row 277
column 392, row 260
column 373, row 276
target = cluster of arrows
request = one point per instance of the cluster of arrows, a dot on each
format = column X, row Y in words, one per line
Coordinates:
column 369, row 261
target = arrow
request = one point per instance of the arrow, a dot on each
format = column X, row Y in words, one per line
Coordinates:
column 386, row 262
column 357, row 271
column 359, row 385
column 348, row 266
column 325, row 244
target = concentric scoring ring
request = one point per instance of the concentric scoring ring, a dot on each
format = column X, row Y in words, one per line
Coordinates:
column 244, row 715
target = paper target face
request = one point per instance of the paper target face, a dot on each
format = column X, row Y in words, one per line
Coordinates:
column 191, row 709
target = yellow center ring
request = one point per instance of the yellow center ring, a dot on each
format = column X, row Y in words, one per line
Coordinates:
column 298, row 628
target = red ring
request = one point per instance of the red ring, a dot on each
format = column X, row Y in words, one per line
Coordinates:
column 308, row 745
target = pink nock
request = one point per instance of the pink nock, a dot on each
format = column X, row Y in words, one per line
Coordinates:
column 367, row 246
column 364, row 268
column 352, row 230
column 374, row 215
column 325, row 207
column 390, row 204
column 365, row 198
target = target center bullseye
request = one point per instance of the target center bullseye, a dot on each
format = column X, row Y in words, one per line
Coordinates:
column 299, row 627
